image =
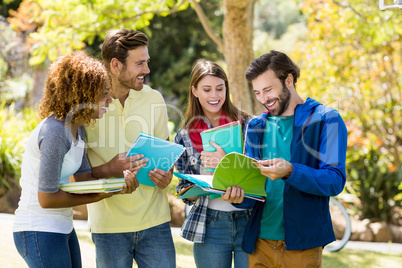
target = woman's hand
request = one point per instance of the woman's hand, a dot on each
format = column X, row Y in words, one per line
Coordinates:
column 212, row 159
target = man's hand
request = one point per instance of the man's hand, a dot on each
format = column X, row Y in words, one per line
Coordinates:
column 160, row 177
column 212, row 159
column 234, row 194
column 275, row 168
column 115, row 167
column 130, row 186
column 131, row 182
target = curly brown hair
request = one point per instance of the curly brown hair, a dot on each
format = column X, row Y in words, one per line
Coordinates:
column 74, row 84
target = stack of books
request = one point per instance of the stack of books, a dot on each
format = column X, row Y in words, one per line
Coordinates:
column 94, row 186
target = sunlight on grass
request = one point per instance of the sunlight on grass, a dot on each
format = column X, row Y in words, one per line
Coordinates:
column 184, row 252
column 358, row 258
column 184, row 255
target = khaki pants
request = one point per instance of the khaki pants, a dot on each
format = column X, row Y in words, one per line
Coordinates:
column 271, row 253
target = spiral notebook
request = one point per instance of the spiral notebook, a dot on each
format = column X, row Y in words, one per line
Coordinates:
column 161, row 154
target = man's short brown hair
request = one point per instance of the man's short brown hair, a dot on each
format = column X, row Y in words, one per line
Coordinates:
column 278, row 62
column 118, row 42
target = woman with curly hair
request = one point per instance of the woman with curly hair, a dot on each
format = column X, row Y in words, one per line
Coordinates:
column 76, row 93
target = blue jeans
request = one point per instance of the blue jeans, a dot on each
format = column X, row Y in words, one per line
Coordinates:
column 152, row 247
column 45, row 249
column 223, row 239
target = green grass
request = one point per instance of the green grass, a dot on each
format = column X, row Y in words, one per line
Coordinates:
column 341, row 259
column 184, row 254
column 360, row 258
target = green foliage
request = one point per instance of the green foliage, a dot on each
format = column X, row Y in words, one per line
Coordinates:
column 275, row 16
column 7, row 43
column 7, row 5
column 68, row 24
column 173, row 51
column 378, row 187
column 15, row 89
column 351, row 60
column 13, row 136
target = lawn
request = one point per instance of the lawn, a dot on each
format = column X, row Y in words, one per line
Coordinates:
column 341, row 259
column 344, row 258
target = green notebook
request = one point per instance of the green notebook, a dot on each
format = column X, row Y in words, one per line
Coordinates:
column 228, row 136
column 234, row 169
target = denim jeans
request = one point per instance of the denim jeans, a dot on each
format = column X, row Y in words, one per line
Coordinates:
column 152, row 247
column 45, row 249
column 223, row 239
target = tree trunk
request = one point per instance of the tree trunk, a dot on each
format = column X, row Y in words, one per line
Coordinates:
column 238, row 50
column 39, row 77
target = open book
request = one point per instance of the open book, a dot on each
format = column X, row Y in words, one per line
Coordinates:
column 227, row 136
column 234, row 169
column 161, row 154
column 197, row 190
column 94, row 186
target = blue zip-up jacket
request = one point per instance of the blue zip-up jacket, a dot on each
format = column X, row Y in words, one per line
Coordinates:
column 318, row 153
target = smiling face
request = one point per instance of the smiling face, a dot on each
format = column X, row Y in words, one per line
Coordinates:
column 132, row 73
column 272, row 93
column 101, row 106
column 211, row 93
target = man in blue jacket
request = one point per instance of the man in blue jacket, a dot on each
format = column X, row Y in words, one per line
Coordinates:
column 301, row 148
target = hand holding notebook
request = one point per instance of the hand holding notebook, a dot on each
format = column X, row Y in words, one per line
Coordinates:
column 161, row 154
column 234, row 169
column 227, row 136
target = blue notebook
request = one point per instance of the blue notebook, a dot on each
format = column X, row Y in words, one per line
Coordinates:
column 161, row 154
column 228, row 136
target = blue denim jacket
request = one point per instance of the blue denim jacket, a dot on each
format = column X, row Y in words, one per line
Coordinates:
column 318, row 153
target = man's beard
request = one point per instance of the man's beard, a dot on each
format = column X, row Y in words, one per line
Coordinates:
column 129, row 82
column 282, row 103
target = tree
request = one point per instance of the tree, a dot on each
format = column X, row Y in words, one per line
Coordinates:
column 173, row 51
column 236, row 45
column 69, row 25
column 352, row 59
column 26, row 20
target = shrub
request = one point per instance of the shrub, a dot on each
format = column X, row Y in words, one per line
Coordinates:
column 378, row 186
column 13, row 136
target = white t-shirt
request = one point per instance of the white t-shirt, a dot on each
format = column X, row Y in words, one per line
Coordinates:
column 50, row 157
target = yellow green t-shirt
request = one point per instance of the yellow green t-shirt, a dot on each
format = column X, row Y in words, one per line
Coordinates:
column 114, row 133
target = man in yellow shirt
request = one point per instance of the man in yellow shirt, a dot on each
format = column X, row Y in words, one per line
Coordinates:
column 135, row 226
